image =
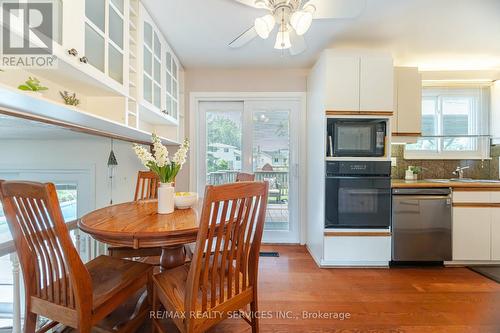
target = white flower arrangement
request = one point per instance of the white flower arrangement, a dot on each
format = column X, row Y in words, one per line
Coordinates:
column 159, row 162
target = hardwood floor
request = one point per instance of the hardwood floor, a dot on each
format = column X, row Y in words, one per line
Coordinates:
column 398, row 300
column 402, row 300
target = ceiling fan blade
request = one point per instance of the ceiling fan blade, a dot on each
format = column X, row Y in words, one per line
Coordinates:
column 298, row 43
column 244, row 38
column 250, row 3
column 337, row 9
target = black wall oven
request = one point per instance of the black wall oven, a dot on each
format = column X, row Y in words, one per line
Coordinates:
column 358, row 194
column 356, row 137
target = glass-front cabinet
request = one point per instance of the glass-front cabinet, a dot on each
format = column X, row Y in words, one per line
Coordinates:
column 92, row 36
column 104, row 37
column 172, row 86
column 160, row 76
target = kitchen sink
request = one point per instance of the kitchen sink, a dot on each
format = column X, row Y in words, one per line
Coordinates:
column 437, row 180
column 463, row 180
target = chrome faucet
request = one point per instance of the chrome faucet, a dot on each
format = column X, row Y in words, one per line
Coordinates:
column 459, row 171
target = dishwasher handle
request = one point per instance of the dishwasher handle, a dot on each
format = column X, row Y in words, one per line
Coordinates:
column 422, row 197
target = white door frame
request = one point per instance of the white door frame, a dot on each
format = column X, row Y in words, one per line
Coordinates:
column 194, row 129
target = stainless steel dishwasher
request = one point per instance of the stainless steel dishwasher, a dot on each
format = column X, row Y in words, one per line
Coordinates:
column 421, row 224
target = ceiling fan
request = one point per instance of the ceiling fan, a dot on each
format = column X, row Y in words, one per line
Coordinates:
column 294, row 18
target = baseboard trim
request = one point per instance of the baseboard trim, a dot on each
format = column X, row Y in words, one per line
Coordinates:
column 462, row 263
column 354, row 264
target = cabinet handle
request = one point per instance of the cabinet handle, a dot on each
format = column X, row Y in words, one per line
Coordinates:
column 73, row 52
column 84, row 59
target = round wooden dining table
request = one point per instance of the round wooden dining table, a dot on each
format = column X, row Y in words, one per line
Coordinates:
column 138, row 225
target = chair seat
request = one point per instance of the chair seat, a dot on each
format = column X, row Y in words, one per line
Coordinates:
column 110, row 275
column 172, row 283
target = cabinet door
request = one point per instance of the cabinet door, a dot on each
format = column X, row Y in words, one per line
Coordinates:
column 342, row 88
column 409, row 100
column 471, row 233
column 70, row 28
column 151, row 63
column 376, row 83
column 495, row 234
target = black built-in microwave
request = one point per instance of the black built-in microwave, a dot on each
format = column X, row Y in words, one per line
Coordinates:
column 356, row 137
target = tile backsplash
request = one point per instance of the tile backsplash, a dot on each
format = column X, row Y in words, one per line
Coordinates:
column 487, row 169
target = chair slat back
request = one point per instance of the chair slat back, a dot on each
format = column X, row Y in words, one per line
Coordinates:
column 231, row 226
column 147, row 186
column 52, row 268
column 245, row 177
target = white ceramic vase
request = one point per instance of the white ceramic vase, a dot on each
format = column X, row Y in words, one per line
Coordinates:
column 166, row 201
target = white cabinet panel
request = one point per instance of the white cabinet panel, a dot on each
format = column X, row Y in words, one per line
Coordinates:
column 495, row 197
column 349, row 250
column 495, row 233
column 471, row 233
column 471, row 197
column 376, row 83
column 342, row 89
column 408, row 100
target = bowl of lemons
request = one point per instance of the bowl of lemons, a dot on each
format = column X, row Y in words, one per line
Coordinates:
column 185, row 200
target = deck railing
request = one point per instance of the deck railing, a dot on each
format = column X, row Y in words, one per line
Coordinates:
column 229, row 176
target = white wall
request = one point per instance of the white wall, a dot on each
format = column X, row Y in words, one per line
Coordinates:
column 237, row 80
column 82, row 152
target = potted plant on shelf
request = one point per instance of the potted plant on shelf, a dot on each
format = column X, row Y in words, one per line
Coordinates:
column 32, row 85
column 69, row 99
column 166, row 169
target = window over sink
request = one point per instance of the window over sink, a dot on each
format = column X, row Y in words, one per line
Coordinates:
column 454, row 124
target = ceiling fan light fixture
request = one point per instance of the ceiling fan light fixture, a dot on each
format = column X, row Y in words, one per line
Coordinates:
column 301, row 20
column 264, row 25
column 283, row 40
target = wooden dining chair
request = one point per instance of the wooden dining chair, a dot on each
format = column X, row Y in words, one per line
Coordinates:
column 58, row 285
column 245, row 177
column 215, row 285
column 146, row 188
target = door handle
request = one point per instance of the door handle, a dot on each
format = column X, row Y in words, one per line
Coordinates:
column 84, row 60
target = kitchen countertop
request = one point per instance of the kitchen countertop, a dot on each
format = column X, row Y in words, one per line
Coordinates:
column 401, row 183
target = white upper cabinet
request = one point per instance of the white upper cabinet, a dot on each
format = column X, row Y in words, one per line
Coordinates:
column 376, row 83
column 160, row 75
column 358, row 82
column 93, row 35
column 151, row 64
column 407, row 119
column 342, row 89
column 171, row 85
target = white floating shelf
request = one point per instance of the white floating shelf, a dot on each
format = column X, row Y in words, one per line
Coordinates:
column 23, row 105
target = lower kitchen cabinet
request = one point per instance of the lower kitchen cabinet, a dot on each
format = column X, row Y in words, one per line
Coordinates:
column 495, row 234
column 472, row 233
column 357, row 251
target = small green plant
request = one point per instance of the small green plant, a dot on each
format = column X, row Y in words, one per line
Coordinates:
column 32, row 84
column 416, row 170
column 69, row 99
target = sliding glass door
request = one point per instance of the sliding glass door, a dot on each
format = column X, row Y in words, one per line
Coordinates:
column 259, row 137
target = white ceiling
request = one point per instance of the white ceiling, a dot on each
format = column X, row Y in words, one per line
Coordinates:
column 432, row 34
